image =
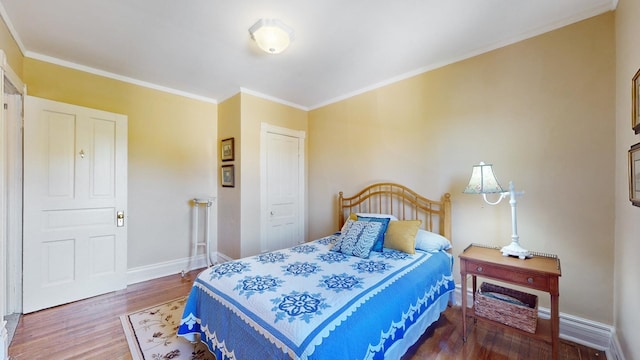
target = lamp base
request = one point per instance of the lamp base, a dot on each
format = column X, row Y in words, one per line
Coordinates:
column 514, row 249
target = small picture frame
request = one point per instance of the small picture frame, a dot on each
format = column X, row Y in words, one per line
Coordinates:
column 226, row 149
column 634, row 174
column 227, row 176
column 635, row 103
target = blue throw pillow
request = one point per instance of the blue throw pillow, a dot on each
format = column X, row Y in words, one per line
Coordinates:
column 358, row 238
column 377, row 246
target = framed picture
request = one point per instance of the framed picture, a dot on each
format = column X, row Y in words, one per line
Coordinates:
column 228, row 177
column 635, row 103
column 634, row 174
column 226, row 149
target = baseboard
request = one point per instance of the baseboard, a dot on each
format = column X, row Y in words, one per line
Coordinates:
column 582, row 331
column 572, row 328
column 154, row 271
column 223, row 258
column 615, row 350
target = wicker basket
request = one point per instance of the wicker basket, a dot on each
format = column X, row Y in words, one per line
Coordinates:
column 523, row 317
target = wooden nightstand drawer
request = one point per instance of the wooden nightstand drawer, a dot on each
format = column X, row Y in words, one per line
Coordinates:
column 530, row 280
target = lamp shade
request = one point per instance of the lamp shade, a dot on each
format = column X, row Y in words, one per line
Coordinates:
column 483, row 181
column 271, row 35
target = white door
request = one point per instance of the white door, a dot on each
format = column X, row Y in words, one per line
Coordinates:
column 283, row 188
column 75, row 192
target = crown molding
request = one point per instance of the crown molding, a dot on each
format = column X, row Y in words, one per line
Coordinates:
column 113, row 76
column 273, row 99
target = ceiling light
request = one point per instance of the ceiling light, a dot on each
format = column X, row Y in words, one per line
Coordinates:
column 272, row 35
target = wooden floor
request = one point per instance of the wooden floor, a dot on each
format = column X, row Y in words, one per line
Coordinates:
column 443, row 341
column 91, row 329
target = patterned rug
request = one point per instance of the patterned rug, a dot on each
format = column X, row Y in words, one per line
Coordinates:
column 151, row 334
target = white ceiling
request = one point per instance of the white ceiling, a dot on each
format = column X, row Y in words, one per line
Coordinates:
column 341, row 47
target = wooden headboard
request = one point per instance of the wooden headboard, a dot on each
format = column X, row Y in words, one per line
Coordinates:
column 400, row 201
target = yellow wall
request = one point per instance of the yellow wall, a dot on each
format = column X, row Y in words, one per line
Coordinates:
column 11, row 49
column 229, row 222
column 241, row 117
column 540, row 110
column 627, row 266
column 172, row 154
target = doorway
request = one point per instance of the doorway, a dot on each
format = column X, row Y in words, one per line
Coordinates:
column 11, row 202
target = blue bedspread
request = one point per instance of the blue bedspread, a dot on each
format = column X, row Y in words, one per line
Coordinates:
column 307, row 302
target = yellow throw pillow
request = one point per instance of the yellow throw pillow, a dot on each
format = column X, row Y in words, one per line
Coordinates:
column 353, row 217
column 401, row 235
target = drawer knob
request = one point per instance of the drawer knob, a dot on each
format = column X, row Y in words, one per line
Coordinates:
column 530, row 280
column 479, row 269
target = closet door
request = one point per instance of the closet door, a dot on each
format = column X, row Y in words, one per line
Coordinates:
column 283, row 188
column 75, row 198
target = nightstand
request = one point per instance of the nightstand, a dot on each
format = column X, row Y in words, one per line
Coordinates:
column 541, row 272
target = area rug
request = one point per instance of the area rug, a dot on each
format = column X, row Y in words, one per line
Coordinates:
column 151, row 334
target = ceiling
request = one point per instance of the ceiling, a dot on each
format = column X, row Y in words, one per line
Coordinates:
column 202, row 48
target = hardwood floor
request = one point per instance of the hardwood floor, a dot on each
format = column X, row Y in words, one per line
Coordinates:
column 91, row 329
column 443, row 341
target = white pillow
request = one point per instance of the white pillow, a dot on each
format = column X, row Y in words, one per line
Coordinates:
column 380, row 216
column 429, row 241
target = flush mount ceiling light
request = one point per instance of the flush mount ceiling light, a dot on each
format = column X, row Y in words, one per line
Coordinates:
column 272, row 35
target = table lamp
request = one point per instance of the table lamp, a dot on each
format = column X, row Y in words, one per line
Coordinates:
column 484, row 182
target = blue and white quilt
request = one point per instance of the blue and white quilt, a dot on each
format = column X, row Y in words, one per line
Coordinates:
column 307, row 302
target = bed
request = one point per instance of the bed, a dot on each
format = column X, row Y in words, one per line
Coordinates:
column 331, row 298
